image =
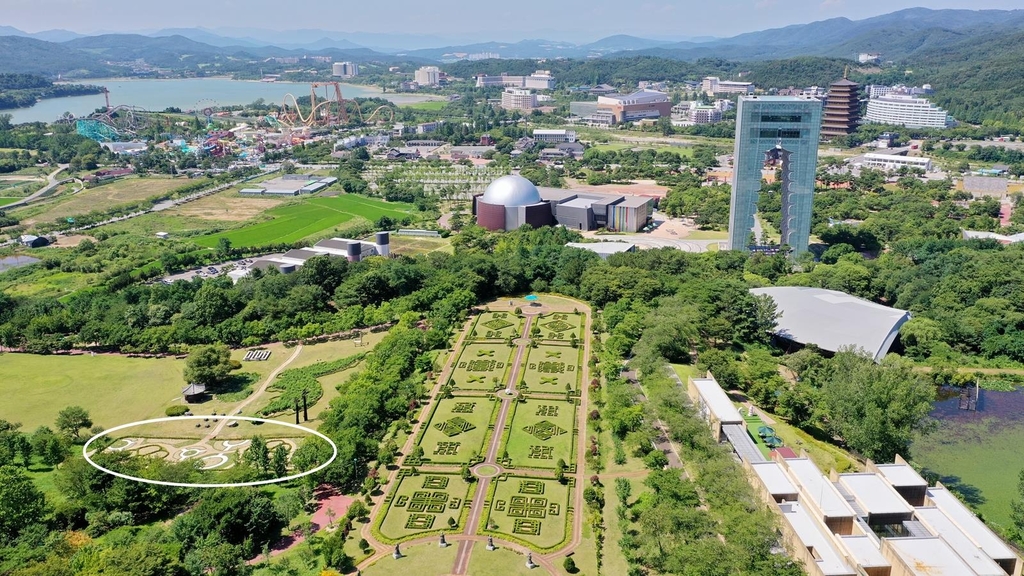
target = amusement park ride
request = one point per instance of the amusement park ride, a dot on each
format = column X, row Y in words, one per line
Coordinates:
column 114, row 123
column 330, row 110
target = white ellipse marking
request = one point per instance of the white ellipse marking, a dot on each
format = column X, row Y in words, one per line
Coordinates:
column 222, row 460
column 85, row 452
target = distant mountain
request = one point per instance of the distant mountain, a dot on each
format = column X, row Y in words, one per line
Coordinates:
column 895, row 35
column 49, row 58
column 204, row 36
column 622, row 42
column 46, row 35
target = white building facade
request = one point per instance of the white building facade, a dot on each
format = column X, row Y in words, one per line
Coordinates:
column 428, row 76
column 518, row 99
column 345, row 69
column 906, row 111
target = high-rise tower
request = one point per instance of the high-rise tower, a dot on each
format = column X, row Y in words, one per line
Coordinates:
column 780, row 132
column 842, row 109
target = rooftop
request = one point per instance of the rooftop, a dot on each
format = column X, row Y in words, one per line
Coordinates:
column 901, row 475
column 717, row 401
column 829, row 560
column 874, row 495
column 833, row 320
column 818, row 489
column 981, row 534
column 928, row 557
column 773, row 478
column 939, row 524
column 511, row 190
column 864, row 551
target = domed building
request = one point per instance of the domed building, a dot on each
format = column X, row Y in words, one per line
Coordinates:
column 511, row 201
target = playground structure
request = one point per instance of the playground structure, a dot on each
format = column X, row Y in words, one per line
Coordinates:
column 329, row 110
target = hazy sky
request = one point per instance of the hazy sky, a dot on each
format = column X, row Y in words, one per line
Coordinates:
column 502, row 20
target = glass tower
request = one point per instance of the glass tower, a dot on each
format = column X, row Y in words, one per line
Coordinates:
column 775, row 132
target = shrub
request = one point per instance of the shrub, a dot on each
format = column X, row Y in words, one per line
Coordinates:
column 570, row 565
column 176, row 410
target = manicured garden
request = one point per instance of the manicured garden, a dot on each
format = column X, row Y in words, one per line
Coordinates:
column 457, row 429
column 530, row 510
column 424, row 503
column 482, row 366
column 550, row 368
column 497, row 326
column 542, row 433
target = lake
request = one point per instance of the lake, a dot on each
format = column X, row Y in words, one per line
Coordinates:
column 185, row 93
column 977, row 453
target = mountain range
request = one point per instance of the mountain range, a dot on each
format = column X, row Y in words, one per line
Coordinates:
column 897, row 36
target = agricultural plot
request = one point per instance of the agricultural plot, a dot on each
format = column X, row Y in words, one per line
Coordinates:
column 294, row 222
column 424, row 503
column 559, row 327
column 102, row 197
column 482, row 367
column 457, row 430
column 532, row 510
column 542, row 433
column 6, row 201
column 497, row 326
column 549, row 369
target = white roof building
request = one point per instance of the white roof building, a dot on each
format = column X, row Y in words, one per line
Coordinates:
column 905, row 111
column 832, row 320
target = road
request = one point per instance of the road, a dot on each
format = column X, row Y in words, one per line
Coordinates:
column 52, row 183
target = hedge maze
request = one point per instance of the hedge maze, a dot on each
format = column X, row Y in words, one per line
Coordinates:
column 530, row 510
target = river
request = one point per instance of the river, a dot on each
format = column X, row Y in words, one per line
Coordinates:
column 186, row 94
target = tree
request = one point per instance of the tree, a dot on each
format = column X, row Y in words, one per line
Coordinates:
column 387, row 453
column 279, row 461
column 258, row 455
column 570, row 565
column 357, row 510
column 21, row 503
column 560, row 470
column 416, row 453
column 207, row 365
column 51, row 448
column 466, row 474
column 1017, row 509
column 623, row 489
column 72, row 420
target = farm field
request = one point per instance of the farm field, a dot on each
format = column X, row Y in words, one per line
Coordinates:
column 423, row 504
column 529, row 509
column 293, row 222
column 542, row 433
column 102, row 197
column 456, row 432
column 479, row 364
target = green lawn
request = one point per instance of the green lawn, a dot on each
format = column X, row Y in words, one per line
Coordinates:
column 422, row 560
column 297, row 221
column 980, row 460
column 542, row 433
column 684, row 151
column 480, row 364
column 422, row 504
column 497, row 326
column 529, row 509
column 6, row 201
column 434, row 105
column 549, row 368
column 614, row 559
column 500, row 562
column 707, row 235
column 447, row 440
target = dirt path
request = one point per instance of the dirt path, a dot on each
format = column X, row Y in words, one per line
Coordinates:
column 252, row 397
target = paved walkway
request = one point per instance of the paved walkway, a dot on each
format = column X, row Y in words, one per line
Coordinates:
column 51, row 183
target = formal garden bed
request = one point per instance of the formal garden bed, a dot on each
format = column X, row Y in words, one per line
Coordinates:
column 457, row 430
column 552, row 369
column 423, row 503
column 542, row 433
column 482, row 367
column 534, row 512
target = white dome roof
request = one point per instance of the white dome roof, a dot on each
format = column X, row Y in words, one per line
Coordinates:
column 511, row 190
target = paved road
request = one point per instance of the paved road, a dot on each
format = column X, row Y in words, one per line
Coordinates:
column 52, row 183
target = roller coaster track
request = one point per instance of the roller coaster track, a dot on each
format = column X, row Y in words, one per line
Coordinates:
column 328, row 111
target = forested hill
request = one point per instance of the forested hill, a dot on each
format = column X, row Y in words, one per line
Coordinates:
column 21, row 90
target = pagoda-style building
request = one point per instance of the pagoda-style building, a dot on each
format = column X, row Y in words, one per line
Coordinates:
column 842, row 109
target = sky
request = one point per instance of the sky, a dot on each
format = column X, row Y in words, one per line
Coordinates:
column 570, row 20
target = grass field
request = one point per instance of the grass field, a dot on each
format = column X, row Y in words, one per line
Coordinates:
column 685, row 152
column 541, row 433
column 421, row 560
column 444, row 442
column 479, row 358
column 500, row 562
column 530, row 509
column 549, row 368
column 6, row 201
column 412, row 245
column 294, row 222
column 434, row 105
column 103, row 197
column 423, row 504
column 707, row 235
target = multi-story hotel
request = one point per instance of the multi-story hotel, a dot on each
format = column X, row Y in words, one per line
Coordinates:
column 906, row 111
